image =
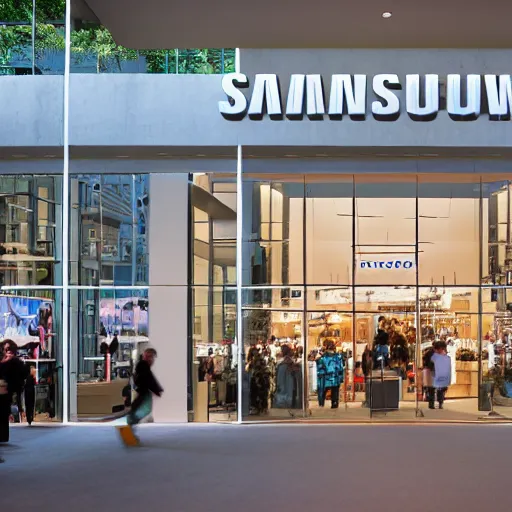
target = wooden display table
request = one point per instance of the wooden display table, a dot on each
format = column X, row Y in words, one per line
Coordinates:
column 100, row 398
column 467, row 381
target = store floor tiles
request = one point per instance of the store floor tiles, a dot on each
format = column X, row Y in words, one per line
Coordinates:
column 455, row 410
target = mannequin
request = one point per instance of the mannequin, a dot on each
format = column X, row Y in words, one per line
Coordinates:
column 330, row 373
column 381, row 346
column 259, row 381
column 491, row 362
column 288, row 382
column 452, row 352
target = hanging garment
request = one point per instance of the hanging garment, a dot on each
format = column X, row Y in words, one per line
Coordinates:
column 442, row 370
column 330, row 367
column 259, row 384
column 452, row 353
column 492, row 356
column 312, row 377
column 288, row 385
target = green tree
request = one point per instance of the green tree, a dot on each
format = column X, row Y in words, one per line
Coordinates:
column 12, row 41
column 50, row 10
column 21, row 10
column 100, row 43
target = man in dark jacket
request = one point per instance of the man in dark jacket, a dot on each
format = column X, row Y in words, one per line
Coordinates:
column 12, row 378
column 146, row 385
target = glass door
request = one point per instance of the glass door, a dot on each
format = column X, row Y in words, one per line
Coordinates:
column 386, row 338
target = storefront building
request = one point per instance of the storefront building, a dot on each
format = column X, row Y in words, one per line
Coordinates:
column 243, row 220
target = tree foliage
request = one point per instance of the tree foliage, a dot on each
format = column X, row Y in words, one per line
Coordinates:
column 98, row 42
column 95, row 42
column 21, row 10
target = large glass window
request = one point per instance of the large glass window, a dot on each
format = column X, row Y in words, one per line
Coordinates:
column 329, row 230
column 213, row 355
column 32, row 320
column 273, row 235
column 109, row 332
column 30, row 230
column 385, row 236
column 109, row 229
column 32, row 37
column 449, row 230
column 376, row 257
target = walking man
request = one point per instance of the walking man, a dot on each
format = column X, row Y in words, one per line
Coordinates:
column 146, row 386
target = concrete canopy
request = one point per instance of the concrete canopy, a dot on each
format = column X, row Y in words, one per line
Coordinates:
column 161, row 24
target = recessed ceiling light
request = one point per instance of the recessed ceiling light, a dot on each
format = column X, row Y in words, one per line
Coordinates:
column 387, row 15
column 123, row 156
column 162, row 154
column 200, row 154
column 290, row 156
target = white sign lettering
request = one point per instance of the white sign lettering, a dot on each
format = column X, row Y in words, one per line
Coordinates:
column 348, row 97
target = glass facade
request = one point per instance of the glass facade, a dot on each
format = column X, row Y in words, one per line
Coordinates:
column 255, row 282
column 331, row 261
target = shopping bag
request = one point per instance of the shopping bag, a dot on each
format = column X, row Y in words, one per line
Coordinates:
column 127, row 435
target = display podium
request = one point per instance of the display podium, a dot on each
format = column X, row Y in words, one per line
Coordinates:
column 383, row 391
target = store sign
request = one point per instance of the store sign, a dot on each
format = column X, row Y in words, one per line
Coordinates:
column 390, row 265
column 348, row 97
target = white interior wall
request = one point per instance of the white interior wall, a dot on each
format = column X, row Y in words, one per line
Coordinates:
column 450, row 245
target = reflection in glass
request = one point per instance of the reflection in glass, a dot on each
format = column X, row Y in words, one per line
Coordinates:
column 109, row 229
column 93, row 50
column 496, row 360
column 497, row 238
column 273, row 232
column 273, row 377
column 30, row 230
column 111, row 330
column 214, row 360
column 32, row 319
column 32, row 45
column 213, row 212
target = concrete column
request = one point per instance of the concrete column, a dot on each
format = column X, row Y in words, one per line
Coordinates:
column 168, row 314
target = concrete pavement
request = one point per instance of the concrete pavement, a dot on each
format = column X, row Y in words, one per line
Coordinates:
column 285, row 468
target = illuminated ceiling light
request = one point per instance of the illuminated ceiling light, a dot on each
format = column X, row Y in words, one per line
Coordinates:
column 387, row 15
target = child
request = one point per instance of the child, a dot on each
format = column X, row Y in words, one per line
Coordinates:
column 442, row 368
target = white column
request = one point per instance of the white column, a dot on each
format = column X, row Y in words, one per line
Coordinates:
column 168, row 312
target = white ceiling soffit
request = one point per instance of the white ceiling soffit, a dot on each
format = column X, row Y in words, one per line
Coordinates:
column 306, row 23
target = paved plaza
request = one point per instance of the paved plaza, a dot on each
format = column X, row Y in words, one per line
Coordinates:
column 217, row 468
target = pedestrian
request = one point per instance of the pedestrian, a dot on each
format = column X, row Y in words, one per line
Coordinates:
column 146, row 386
column 442, row 368
column 12, row 378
